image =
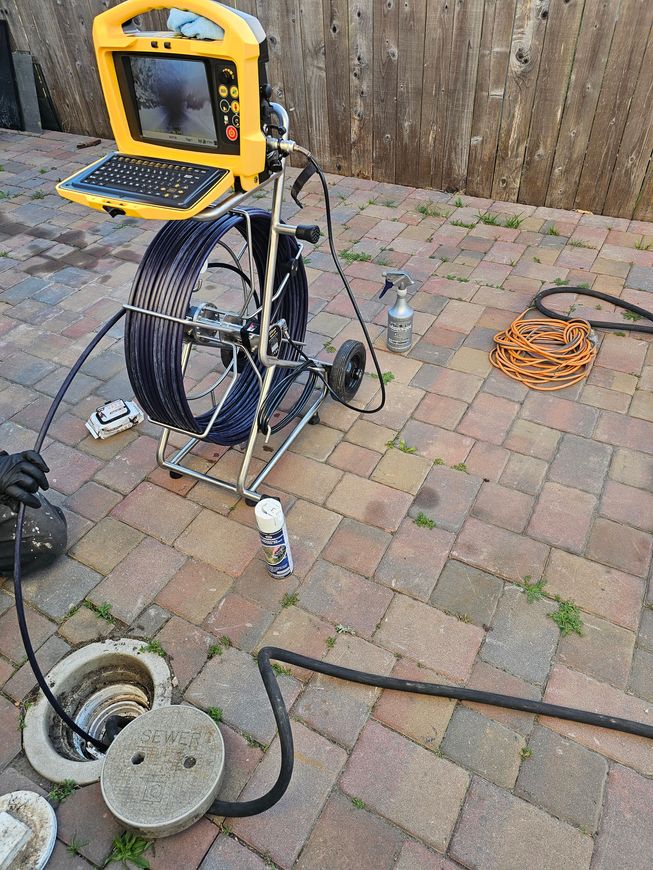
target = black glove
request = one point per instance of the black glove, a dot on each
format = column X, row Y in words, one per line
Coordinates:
column 22, row 475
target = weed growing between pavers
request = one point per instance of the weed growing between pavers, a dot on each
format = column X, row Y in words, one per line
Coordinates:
column 400, row 444
column 63, row 790
column 567, row 617
column 216, row 714
column 423, row 521
column 75, row 846
column 153, row 646
column 128, row 849
column 534, row 591
column 216, row 649
column 103, row 611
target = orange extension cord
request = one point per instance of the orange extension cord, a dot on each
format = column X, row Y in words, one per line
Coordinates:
column 543, row 353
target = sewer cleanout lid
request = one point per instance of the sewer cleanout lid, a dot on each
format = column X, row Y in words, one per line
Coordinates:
column 28, row 831
column 163, row 770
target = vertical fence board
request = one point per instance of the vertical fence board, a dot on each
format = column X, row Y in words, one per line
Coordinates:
column 553, row 79
column 410, row 69
column 361, row 86
column 624, row 64
column 386, row 22
column 594, row 39
column 290, row 37
column 490, row 85
column 527, row 39
column 536, row 101
column 466, row 41
column 437, row 54
column 644, row 206
column 275, row 31
column 314, row 69
column 336, row 36
column 636, row 145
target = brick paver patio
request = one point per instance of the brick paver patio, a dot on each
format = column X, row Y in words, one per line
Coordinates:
column 519, row 484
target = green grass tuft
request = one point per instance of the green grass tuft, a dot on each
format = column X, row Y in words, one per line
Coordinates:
column 128, row 849
column 458, row 202
column 358, row 803
column 216, row 714
column 430, row 210
column 514, row 222
column 103, row 611
column 460, row 466
column 534, row 591
column 458, row 223
column 567, row 617
column 75, row 846
column 281, row 671
column 552, row 231
column 63, row 790
column 218, row 648
column 350, row 256
column 488, row 218
column 154, row 646
column 631, row 315
column 400, row 444
column 289, row 598
column 423, row 521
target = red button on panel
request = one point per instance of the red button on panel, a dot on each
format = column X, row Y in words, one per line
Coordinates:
column 232, row 133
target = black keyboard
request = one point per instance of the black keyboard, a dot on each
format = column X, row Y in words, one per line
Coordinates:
column 159, row 182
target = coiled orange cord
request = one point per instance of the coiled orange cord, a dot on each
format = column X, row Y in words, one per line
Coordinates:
column 543, row 353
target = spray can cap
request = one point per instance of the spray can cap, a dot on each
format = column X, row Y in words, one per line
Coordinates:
column 269, row 515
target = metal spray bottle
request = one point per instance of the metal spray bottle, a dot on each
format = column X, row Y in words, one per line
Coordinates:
column 400, row 317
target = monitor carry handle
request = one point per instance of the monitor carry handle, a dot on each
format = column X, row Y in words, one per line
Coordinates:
column 121, row 20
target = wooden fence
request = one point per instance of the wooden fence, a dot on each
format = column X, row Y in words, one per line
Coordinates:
column 546, row 102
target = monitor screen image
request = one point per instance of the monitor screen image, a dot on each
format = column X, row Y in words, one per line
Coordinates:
column 173, row 102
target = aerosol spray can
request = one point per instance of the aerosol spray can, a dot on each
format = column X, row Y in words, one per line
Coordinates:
column 400, row 317
column 274, row 537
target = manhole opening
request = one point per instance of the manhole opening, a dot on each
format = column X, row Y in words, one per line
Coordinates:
column 102, row 702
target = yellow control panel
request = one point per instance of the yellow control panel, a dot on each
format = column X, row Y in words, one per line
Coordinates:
column 185, row 113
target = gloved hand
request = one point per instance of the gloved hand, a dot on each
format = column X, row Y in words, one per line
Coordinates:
column 22, row 475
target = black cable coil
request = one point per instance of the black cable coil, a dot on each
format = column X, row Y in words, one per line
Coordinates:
column 165, row 281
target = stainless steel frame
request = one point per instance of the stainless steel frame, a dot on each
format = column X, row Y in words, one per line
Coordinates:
column 174, row 463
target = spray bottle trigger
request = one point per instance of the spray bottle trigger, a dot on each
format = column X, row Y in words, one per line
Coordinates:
column 388, row 284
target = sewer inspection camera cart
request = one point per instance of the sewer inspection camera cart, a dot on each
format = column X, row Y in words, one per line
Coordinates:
column 193, row 124
column 197, row 135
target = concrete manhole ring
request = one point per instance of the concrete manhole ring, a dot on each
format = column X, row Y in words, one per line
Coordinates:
column 93, row 683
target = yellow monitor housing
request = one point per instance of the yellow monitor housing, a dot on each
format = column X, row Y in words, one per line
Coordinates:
column 183, row 112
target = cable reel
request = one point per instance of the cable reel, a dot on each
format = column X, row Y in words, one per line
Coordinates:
column 165, row 323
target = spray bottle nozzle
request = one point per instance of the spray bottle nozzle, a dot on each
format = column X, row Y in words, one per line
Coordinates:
column 400, row 280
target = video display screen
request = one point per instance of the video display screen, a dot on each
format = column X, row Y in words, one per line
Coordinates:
column 173, row 102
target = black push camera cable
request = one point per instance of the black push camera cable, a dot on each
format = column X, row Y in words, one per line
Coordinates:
column 267, row 654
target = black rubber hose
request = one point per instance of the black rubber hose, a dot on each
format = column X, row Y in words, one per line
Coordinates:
column 18, row 589
column 352, row 299
column 237, row 809
column 631, row 326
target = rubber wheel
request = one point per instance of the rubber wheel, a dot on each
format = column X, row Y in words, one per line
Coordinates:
column 346, row 373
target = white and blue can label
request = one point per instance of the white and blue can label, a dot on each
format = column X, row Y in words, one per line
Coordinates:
column 274, row 537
